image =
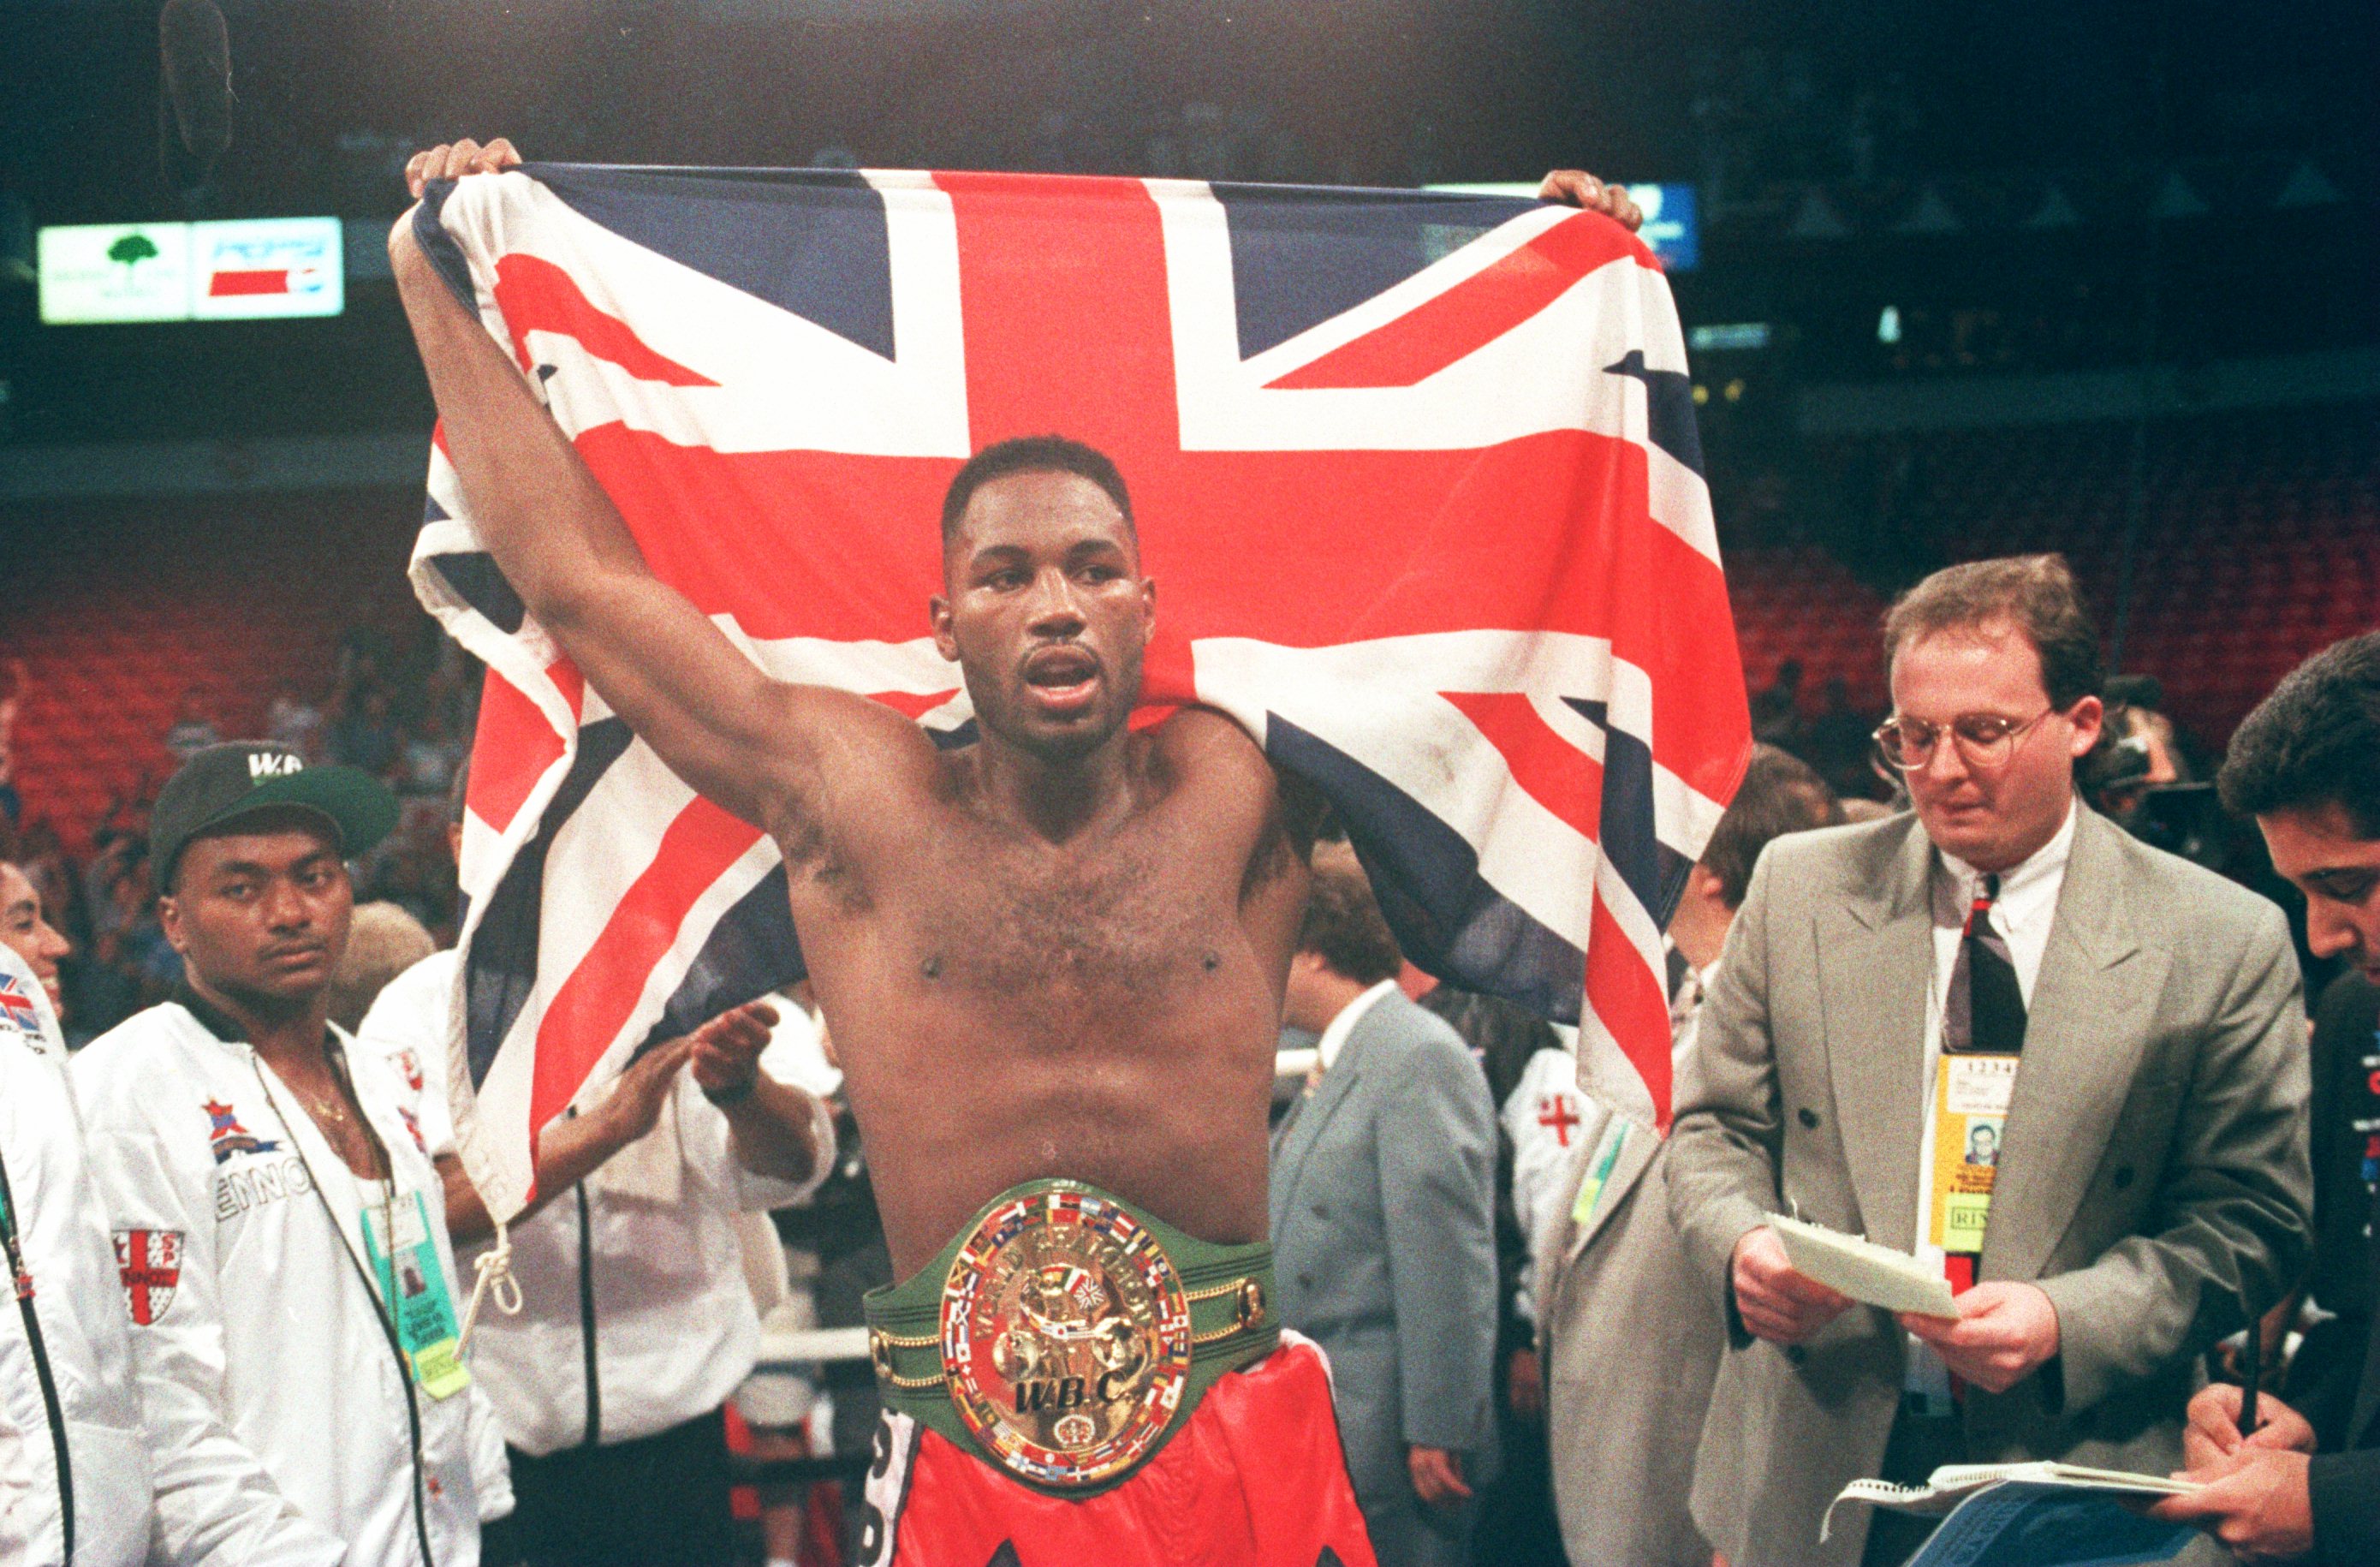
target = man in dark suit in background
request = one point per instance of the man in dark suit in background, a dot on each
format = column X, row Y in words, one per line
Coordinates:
column 2306, row 765
column 1383, row 1228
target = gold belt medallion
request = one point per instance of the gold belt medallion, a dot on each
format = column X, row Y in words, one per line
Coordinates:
column 1065, row 1338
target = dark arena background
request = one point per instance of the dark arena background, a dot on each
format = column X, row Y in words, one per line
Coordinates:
column 1960, row 281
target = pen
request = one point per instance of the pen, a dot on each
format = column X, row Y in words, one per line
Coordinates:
column 2254, row 1365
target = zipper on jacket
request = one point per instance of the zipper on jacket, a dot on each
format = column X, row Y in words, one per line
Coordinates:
column 381, row 1310
column 21, row 1282
column 594, row 1436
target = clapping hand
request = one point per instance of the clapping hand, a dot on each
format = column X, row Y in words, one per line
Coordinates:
column 727, row 1049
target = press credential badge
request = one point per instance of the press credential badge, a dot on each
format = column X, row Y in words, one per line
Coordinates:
column 415, row 1287
column 1973, row 1099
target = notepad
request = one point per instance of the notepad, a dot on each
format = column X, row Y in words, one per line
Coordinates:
column 1863, row 1269
column 1950, row 1487
column 1952, row 1483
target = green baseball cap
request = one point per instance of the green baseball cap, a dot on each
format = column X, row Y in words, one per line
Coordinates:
column 221, row 784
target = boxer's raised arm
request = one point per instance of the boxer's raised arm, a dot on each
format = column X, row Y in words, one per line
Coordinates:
column 748, row 741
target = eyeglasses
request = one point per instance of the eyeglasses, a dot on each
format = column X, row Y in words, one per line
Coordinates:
column 1984, row 740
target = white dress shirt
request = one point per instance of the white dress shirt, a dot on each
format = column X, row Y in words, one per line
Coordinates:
column 2022, row 914
column 665, row 1320
column 1335, row 1038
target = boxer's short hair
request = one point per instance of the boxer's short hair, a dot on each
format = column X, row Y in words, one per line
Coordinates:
column 1343, row 927
column 2034, row 593
column 2315, row 741
column 1034, row 453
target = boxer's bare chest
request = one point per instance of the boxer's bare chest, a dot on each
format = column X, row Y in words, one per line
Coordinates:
column 1063, row 946
column 1006, row 1007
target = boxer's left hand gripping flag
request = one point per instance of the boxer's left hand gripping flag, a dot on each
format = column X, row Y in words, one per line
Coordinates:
column 1417, row 473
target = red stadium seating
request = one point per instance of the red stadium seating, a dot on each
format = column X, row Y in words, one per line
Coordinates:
column 118, row 611
column 1802, row 602
column 2260, row 539
column 2259, row 543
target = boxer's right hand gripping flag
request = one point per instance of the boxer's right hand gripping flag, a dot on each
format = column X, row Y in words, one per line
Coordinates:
column 1417, row 475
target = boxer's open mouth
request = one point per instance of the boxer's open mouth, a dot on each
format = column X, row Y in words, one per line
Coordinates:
column 1062, row 678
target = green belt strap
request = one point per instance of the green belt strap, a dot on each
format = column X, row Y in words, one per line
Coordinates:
column 904, row 1324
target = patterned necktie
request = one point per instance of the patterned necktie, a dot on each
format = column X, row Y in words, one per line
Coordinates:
column 1986, row 1007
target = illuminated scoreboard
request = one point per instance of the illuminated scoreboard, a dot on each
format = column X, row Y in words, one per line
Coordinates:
column 240, row 269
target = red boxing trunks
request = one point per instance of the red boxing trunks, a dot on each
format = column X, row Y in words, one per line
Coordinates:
column 1253, row 1477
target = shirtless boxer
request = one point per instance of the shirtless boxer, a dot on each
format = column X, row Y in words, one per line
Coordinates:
column 1053, row 960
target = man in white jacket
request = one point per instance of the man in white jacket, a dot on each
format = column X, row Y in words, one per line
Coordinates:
column 278, row 1226
column 74, row 1475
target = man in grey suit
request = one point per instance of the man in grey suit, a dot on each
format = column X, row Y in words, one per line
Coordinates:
column 1383, row 1228
column 1624, row 1413
column 2130, row 1023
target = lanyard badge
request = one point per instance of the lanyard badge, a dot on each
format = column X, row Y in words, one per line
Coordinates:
column 404, row 1260
column 1970, row 1106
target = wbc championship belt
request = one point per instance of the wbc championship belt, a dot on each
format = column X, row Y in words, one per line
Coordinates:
column 1068, row 1335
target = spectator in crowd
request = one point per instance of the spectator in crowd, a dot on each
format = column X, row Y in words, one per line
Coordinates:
column 2138, row 752
column 1777, row 708
column 365, row 735
column 1383, row 1228
column 74, row 1472
column 611, row 1381
column 383, row 940
column 43, row 859
column 294, row 723
column 25, row 930
column 429, row 754
column 1880, row 985
column 1623, row 1432
column 194, row 728
column 2306, row 765
column 131, row 963
column 279, row 1229
column 1838, row 746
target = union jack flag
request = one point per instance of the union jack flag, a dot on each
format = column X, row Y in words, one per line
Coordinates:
column 16, row 1006
column 1417, row 475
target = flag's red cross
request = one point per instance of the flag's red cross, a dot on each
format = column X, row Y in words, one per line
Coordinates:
column 1067, row 328
column 1554, row 1112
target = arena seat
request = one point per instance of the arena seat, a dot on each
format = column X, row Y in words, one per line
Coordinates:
column 1799, row 602
column 124, row 608
column 2259, row 543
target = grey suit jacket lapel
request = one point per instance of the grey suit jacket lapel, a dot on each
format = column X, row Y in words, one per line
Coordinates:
column 1875, row 964
column 2083, row 1036
column 1337, row 1082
